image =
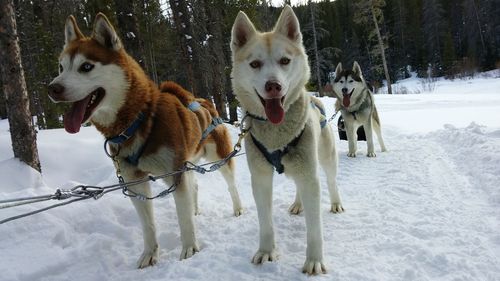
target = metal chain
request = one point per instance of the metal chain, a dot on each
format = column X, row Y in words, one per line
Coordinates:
column 333, row 116
column 83, row 192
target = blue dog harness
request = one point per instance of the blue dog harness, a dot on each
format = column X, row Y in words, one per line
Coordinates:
column 130, row 131
column 274, row 158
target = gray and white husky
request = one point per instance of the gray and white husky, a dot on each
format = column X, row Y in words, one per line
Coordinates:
column 269, row 74
column 356, row 104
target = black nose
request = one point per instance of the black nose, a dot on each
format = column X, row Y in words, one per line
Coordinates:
column 273, row 87
column 344, row 91
column 56, row 91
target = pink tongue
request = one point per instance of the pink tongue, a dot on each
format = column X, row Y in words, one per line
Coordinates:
column 347, row 100
column 74, row 117
column 274, row 110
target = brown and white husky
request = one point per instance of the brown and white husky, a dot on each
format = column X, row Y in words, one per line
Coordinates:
column 108, row 88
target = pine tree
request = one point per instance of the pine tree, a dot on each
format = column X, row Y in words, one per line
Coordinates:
column 370, row 12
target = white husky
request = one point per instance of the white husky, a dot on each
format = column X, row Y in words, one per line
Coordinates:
column 269, row 74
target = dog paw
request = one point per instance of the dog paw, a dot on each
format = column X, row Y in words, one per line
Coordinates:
column 337, row 208
column 238, row 211
column 314, row 267
column 295, row 208
column 148, row 258
column 371, row 154
column 264, row 256
column 188, row 252
column 351, row 154
column 384, row 149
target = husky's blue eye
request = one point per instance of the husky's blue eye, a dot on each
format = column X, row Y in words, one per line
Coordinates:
column 86, row 67
column 255, row 64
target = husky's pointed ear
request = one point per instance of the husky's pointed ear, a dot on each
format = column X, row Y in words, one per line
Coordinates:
column 357, row 69
column 105, row 34
column 288, row 25
column 71, row 31
column 338, row 70
column 243, row 30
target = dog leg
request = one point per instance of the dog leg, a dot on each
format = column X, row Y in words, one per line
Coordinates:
column 352, row 138
column 183, row 197
column 329, row 164
column 145, row 211
column 369, row 138
column 309, row 190
column 296, row 206
column 195, row 197
column 378, row 131
column 262, row 187
column 228, row 174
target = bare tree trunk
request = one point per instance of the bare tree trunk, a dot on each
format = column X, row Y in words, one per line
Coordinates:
column 3, row 108
column 382, row 49
column 22, row 133
column 217, row 58
column 315, row 47
column 129, row 30
column 184, row 30
column 479, row 26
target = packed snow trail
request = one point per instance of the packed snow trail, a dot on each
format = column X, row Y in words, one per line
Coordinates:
column 411, row 214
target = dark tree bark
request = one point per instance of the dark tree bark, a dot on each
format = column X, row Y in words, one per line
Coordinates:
column 3, row 108
column 185, row 32
column 217, row 57
column 382, row 49
column 22, row 131
column 315, row 49
column 129, row 30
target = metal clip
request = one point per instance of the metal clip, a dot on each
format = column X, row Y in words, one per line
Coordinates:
column 62, row 194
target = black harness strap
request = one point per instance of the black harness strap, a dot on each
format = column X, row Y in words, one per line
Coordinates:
column 274, row 158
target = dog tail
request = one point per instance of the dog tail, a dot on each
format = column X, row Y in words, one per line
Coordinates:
column 175, row 89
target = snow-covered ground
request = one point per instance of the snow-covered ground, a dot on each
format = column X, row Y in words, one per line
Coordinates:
column 428, row 209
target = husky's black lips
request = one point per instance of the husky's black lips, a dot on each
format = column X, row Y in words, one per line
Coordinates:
column 81, row 110
column 263, row 101
column 273, row 108
column 95, row 99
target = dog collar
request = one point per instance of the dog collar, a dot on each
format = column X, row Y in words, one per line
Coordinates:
column 129, row 132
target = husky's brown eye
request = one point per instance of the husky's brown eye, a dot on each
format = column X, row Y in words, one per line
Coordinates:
column 284, row 61
column 255, row 64
column 86, row 67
